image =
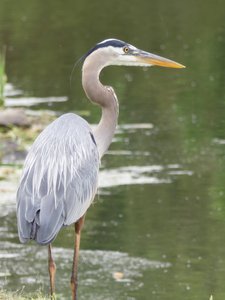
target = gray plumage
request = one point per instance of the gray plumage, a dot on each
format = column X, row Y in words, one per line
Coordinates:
column 59, row 179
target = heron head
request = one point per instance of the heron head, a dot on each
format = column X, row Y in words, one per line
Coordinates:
column 116, row 52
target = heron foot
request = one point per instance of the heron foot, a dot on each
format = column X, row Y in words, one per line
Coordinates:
column 53, row 296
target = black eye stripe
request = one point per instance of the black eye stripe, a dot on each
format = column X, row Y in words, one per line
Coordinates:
column 113, row 43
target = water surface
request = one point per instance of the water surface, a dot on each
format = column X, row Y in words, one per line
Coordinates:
column 156, row 230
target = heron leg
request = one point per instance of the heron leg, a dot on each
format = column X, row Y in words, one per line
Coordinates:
column 51, row 270
column 74, row 281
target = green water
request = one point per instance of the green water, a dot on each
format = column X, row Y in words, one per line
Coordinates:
column 159, row 218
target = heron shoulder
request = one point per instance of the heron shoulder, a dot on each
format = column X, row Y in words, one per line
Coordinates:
column 68, row 129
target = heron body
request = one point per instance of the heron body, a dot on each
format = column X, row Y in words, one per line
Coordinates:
column 60, row 174
column 59, row 179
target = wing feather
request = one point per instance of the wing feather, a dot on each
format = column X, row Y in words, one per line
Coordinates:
column 59, row 179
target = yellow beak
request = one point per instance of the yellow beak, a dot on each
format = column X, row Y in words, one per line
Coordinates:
column 146, row 58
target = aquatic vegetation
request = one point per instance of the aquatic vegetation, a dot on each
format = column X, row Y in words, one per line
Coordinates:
column 2, row 76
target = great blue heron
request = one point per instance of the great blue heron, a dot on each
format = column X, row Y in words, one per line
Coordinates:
column 60, row 175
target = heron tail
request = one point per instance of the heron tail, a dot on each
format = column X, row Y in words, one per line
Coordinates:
column 42, row 224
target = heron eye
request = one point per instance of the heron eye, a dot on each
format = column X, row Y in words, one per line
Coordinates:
column 125, row 49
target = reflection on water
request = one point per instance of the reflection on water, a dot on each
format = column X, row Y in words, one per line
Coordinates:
column 23, row 101
column 14, row 97
column 139, row 175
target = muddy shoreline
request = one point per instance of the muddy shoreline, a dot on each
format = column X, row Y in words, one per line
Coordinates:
column 18, row 129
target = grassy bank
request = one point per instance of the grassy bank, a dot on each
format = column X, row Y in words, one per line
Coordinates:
column 19, row 296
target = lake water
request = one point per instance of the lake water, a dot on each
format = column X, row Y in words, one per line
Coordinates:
column 157, row 228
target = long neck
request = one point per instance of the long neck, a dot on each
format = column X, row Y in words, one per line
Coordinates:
column 103, row 96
